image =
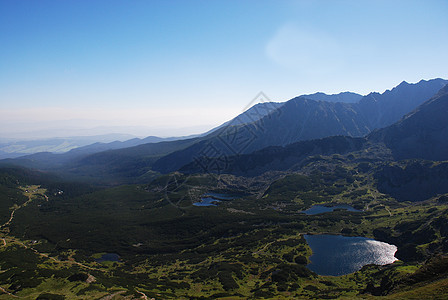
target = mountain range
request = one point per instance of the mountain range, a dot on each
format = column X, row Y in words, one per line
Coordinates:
column 345, row 97
column 421, row 134
column 268, row 130
column 302, row 119
column 211, row 215
column 11, row 148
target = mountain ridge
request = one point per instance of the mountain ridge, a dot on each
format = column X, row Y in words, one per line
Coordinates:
column 305, row 119
column 345, row 97
column 295, row 120
column 421, row 134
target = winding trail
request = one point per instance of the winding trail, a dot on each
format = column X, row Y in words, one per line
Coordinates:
column 10, row 219
column 374, row 195
column 44, row 255
column 12, row 240
column 30, row 199
column 8, row 293
column 386, row 208
column 111, row 296
column 143, row 295
column 263, row 249
column 17, row 241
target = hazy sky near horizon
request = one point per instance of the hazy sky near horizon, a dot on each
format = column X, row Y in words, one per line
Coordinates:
column 180, row 67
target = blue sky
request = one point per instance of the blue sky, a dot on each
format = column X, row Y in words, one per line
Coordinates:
column 178, row 67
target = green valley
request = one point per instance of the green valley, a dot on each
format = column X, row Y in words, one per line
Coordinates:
column 252, row 246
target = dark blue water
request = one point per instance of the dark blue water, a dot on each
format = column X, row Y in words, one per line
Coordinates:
column 207, row 201
column 109, row 257
column 337, row 255
column 319, row 209
column 211, row 199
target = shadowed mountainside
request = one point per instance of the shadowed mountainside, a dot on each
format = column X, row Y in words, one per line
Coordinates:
column 302, row 119
column 264, row 125
column 422, row 133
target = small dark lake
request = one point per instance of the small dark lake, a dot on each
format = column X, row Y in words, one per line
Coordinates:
column 207, row 201
column 337, row 255
column 108, row 257
column 319, row 209
column 212, row 199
